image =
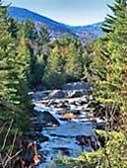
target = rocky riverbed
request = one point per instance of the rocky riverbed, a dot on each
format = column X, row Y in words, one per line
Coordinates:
column 64, row 124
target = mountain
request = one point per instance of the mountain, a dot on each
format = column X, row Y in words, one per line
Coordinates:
column 56, row 29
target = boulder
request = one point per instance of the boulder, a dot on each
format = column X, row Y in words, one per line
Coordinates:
column 77, row 86
column 33, row 136
column 48, row 118
column 57, row 94
column 38, row 125
column 63, row 151
column 76, row 112
column 100, row 126
column 68, row 116
column 83, row 140
column 39, row 95
column 41, row 138
column 95, row 142
column 75, row 93
column 62, row 105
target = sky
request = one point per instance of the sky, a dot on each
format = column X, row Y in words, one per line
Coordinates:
column 72, row 12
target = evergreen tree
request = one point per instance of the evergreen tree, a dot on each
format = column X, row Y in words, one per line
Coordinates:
column 73, row 66
column 113, row 57
column 111, row 85
column 54, row 71
column 37, row 40
column 13, row 74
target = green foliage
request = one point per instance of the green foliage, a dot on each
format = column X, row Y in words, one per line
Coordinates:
column 113, row 155
column 14, row 72
column 109, row 68
column 37, row 40
column 54, row 72
column 65, row 63
column 111, row 64
column 107, row 63
column 73, row 66
column 91, row 58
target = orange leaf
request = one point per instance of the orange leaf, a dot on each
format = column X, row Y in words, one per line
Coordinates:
column 36, row 159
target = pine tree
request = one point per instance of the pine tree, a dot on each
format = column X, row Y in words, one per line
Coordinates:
column 13, row 74
column 113, row 57
column 117, row 9
column 54, row 71
column 73, row 66
column 111, row 86
column 37, row 40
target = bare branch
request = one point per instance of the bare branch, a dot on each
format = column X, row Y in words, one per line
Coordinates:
column 5, row 140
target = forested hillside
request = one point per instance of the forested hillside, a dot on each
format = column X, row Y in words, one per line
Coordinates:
column 56, row 29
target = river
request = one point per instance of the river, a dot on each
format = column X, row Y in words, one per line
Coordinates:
column 75, row 121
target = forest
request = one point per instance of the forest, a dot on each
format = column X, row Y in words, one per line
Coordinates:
column 30, row 60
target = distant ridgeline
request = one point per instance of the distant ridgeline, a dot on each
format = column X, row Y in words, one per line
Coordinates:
column 56, row 29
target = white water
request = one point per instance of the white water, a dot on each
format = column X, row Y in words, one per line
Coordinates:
column 63, row 138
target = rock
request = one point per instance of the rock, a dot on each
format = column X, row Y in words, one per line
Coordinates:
column 83, row 102
column 84, row 140
column 56, row 135
column 75, row 112
column 100, row 126
column 52, row 103
column 38, row 146
column 62, row 105
column 68, row 116
column 37, row 125
column 31, row 135
column 48, row 118
column 75, row 93
column 101, row 140
column 42, row 120
column 28, row 137
column 41, row 138
column 63, row 151
column 77, row 86
column 39, row 95
column 95, row 142
column 57, row 94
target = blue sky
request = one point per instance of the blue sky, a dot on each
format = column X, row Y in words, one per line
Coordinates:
column 73, row 12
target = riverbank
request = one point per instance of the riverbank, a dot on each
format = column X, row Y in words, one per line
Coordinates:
column 63, row 123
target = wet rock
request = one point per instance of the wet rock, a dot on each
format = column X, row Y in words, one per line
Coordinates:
column 75, row 112
column 28, row 137
column 38, row 146
column 101, row 140
column 40, row 94
column 100, row 126
column 68, row 116
column 41, row 138
column 75, row 93
column 52, row 103
column 83, row 140
column 77, row 86
column 63, row 151
column 57, row 94
column 31, row 135
column 62, row 105
column 82, row 102
column 43, row 119
column 60, row 136
column 49, row 118
column 37, row 125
